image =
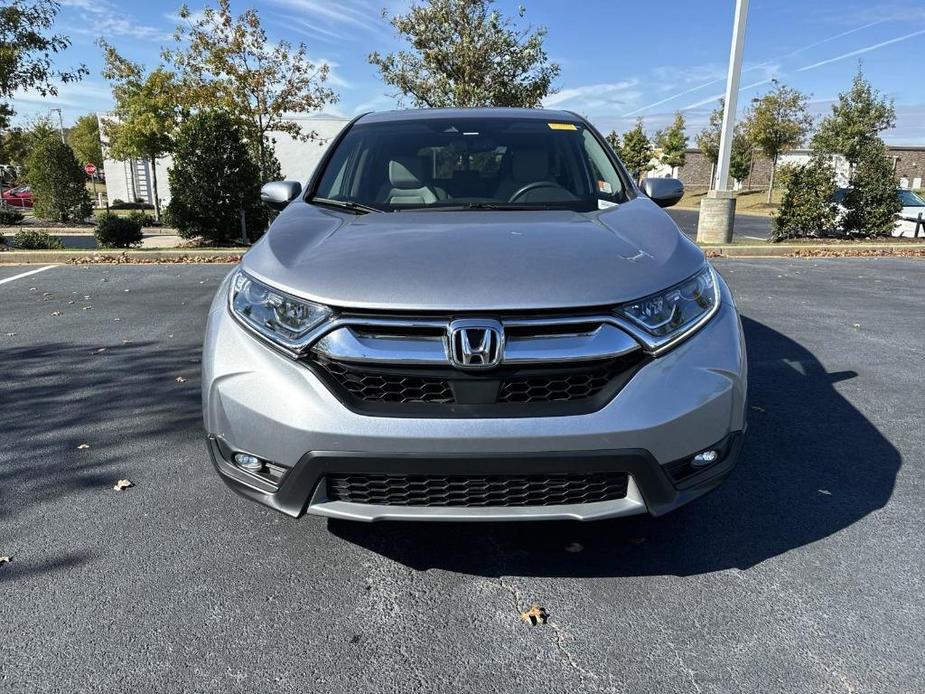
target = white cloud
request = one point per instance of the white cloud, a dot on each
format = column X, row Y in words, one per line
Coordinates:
column 103, row 18
column 589, row 97
column 358, row 15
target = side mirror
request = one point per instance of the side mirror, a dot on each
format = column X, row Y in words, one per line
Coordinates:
column 277, row 194
column 664, row 192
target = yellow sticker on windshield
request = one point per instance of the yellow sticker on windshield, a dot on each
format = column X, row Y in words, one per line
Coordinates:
column 562, row 126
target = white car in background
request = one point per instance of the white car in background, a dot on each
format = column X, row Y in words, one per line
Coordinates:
column 912, row 206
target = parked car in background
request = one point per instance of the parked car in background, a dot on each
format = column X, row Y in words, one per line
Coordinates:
column 912, row 206
column 473, row 314
column 20, row 196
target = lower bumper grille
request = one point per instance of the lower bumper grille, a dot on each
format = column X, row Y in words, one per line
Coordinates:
column 477, row 491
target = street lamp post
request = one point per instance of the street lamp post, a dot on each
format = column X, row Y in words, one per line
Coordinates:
column 60, row 122
column 717, row 209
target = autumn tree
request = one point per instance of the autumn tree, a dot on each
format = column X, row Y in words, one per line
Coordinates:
column 857, row 119
column 777, row 122
column 27, row 49
column 146, row 113
column 613, row 139
column 636, row 151
column 84, row 139
column 227, row 62
column 464, row 53
column 672, row 143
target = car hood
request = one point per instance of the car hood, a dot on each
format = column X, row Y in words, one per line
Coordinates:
column 478, row 260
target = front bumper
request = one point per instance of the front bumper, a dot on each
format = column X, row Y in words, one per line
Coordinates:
column 258, row 401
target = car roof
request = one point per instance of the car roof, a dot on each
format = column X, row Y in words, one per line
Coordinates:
column 443, row 113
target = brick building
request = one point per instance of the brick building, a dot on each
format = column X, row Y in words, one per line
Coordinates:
column 908, row 162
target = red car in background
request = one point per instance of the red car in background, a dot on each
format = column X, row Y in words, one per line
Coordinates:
column 18, row 197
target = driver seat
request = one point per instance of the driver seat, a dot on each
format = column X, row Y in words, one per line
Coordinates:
column 527, row 166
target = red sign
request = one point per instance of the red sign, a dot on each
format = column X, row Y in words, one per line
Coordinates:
column 90, row 169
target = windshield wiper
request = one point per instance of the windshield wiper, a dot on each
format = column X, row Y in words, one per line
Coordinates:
column 474, row 206
column 357, row 207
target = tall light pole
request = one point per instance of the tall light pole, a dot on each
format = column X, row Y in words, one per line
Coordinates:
column 717, row 210
column 60, row 122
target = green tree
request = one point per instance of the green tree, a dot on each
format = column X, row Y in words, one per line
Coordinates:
column 214, row 181
column 856, row 121
column 672, row 143
column 464, row 53
column 740, row 160
column 636, row 151
column 27, row 49
column 146, row 112
column 613, row 139
column 228, row 63
column 84, row 139
column 777, row 122
column 871, row 203
column 58, row 182
column 808, row 207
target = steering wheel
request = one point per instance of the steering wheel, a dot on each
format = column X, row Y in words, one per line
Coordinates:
column 530, row 187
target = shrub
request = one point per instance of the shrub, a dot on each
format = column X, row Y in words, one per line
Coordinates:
column 142, row 218
column 58, row 182
column 214, row 180
column 807, row 208
column 32, row 239
column 113, row 231
column 9, row 216
column 871, row 203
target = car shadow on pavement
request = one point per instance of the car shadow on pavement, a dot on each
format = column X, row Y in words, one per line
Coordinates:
column 812, row 465
column 79, row 408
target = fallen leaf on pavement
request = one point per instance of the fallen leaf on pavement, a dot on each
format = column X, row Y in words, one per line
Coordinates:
column 535, row 615
column 4, row 560
column 100, row 350
column 574, row 547
column 855, row 325
column 758, row 409
column 180, row 379
column 824, row 491
column 83, row 445
column 122, row 485
column 87, row 308
column 56, row 313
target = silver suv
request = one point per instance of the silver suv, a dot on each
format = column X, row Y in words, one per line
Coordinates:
column 473, row 315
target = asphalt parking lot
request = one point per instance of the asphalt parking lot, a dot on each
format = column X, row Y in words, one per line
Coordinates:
column 747, row 227
column 803, row 573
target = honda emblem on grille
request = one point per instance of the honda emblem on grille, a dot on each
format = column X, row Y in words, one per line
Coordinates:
column 475, row 343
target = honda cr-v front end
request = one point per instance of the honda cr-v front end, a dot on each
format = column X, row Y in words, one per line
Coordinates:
column 473, row 315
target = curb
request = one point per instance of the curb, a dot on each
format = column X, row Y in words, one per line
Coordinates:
column 82, row 257
column 816, row 250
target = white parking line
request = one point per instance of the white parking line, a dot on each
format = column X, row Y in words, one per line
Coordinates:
column 26, row 274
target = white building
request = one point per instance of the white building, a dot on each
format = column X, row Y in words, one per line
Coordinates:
column 132, row 180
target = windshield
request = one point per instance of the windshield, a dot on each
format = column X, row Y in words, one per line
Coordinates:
column 453, row 163
column 910, row 199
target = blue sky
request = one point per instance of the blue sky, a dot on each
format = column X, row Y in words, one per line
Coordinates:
column 619, row 59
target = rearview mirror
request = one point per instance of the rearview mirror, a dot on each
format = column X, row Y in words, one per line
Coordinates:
column 664, row 192
column 277, row 194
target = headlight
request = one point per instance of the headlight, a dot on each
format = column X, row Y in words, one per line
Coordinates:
column 277, row 316
column 674, row 312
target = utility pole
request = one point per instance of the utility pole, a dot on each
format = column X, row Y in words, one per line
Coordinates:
column 717, row 209
column 60, row 123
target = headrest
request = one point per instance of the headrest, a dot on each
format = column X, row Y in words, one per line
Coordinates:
column 529, row 165
column 405, row 172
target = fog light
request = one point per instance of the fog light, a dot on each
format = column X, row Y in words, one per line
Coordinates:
column 705, row 458
column 248, row 462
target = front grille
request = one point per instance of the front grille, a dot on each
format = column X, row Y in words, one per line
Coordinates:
column 543, row 388
column 389, row 387
column 477, row 491
column 534, row 385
